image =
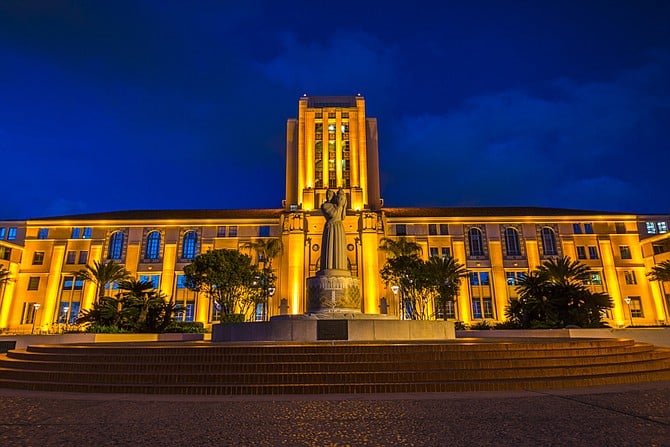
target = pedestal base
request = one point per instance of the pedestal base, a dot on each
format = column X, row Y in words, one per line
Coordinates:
column 333, row 291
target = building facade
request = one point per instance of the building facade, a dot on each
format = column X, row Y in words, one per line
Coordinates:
column 331, row 144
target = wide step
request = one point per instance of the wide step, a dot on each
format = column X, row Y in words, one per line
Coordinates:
column 267, row 368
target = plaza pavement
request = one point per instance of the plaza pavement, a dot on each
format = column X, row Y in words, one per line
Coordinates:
column 630, row 415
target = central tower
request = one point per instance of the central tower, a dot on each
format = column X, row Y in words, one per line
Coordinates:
column 332, row 144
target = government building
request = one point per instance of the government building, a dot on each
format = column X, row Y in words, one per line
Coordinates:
column 331, row 144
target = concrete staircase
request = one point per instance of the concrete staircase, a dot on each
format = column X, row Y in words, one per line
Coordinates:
column 202, row 368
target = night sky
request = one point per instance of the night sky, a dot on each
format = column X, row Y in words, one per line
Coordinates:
column 115, row 105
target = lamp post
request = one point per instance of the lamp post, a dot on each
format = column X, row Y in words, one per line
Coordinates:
column 36, row 307
column 271, row 291
column 394, row 289
column 630, row 313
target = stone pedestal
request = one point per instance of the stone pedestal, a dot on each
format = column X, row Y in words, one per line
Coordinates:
column 333, row 292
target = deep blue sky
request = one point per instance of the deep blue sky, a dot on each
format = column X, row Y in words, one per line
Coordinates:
column 114, row 105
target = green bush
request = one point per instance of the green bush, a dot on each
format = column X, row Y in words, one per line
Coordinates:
column 507, row 325
column 104, row 329
column 481, row 326
column 460, row 326
column 186, row 327
column 232, row 318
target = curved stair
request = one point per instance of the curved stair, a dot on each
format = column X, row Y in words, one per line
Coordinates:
column 203, row 368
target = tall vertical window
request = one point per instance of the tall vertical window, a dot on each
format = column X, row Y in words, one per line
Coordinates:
column 232, row 231
column 88, row 232
column 629, row 277
column 635, row 306
column 43, row 233
column 3, row 232
column 651, row 228
column 549, row 242
column 593, row 252
column 38, row 258
column 513, row 279
column 153, row 249
column 512, row 242
column 446, row 252
column 71, row 257
column 70, row 299
column 190, row 246
column 624, row 251
column 83, row 257
column 11, row 233
column 76, row 232
column 577, row 228
column 475, row 242
column 432, row 229
column 480, row 291
column 186, row 298
column 588, row 228
column 581, row 252
column 264, row 231
column 115, row 245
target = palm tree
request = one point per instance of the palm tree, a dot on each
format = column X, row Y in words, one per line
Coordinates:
column 4, row 276
column 564, row 271
column 660, row 272
column 103, row 274
column 266, row 249
column 400, row 247
column 446, row 274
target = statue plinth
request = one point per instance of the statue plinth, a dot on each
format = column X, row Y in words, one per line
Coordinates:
column 332, row 292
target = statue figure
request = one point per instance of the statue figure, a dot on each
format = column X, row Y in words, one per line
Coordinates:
column 333, row 241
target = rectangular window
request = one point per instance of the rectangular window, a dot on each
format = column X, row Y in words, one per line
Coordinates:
column 446, row 252
column 581, row 252
column 71, row 257
column 83, row 257
column 593, row 252
column 88, row 233
column 594, row 279
column 38, row 258
column 75, row 233
column 434, row 252
column 432, row 229
column 155, row 280
column 43, row 233
column 401, row 230
column 662, row 227
column 651, row 228
column 11, row 234
column 629, row 276
column 444, row 229
column 588, row 228
column 181, row 284
column 33, row 283
column 635, row 306
column 3, row 232
column 5, row 253
column 577, row 228
column 221, row 231
column 624, row 251
column 264, row 231
column 29, row 311
column 620, row 227
column 232, row 231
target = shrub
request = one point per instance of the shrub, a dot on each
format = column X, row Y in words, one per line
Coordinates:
column 186, row 327
column 481, row 326
column 104, row 329
column 507, row 325
column 460, row 326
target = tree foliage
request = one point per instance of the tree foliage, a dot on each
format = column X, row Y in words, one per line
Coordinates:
column 554, row 296
column 102, row 274
column 423, row 285
column 400, row 247
column 138, row 307
column 229, row 279
column 660, row 272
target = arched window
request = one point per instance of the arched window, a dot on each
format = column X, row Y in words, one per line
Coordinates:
column 512, row 242
column 153, row 249
column 115, row 245
column 475, row 241
column 190, row 245
column 549, row 241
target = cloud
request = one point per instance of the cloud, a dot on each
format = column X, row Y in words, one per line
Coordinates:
column 343, row 64
column 596, row 140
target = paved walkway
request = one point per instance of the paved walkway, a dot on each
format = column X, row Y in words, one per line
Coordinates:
column 636, row 415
